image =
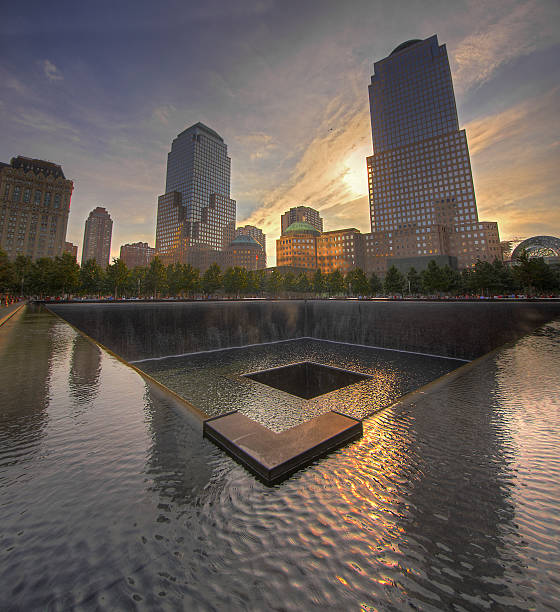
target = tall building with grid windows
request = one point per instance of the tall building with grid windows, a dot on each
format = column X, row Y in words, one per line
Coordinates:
column 302, row 214
column 97, row 237
column 34, row 207
column 196, row 212
column 421, row 194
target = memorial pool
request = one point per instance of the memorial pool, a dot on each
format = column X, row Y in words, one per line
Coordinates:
column 111, row 499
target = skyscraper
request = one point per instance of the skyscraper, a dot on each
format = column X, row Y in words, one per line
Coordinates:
column 34, row 206
column 196, row 211
column 303, row 214
column 97, row 237
column 421, row 194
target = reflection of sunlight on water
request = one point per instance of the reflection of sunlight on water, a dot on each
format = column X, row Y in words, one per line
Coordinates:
column 128, row 504
column 529, row 400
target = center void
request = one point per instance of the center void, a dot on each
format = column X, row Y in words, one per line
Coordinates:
column 307, row 379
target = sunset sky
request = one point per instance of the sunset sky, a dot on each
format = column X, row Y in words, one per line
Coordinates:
column 103, row 88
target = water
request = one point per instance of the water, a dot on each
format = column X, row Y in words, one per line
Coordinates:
column 215, row 381
column 109, row 499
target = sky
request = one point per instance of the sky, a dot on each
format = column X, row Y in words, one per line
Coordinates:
column 102, row 88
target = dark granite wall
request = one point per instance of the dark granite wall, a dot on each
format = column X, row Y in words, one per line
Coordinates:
column 455, row 329
column 143, row 330
column 465, row 330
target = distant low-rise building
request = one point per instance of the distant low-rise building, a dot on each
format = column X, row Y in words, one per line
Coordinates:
column 34, row 206
column 137, row 254
column 245, row 252
column 72, row 249
column 256, row 233
column 297, row 247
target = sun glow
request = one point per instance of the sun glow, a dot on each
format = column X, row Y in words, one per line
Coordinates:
column 355, row 176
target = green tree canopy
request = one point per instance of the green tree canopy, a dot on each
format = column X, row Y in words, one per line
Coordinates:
column 6, row 272
column 335, row 283
column 357, row 282
column 235, row 281
column 375, row 284
column 212, row 279
column 91, row 277
column 394, row 282
column 117, row 276
column 156, row 277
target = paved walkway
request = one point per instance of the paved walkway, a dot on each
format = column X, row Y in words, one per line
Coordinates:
column 7, row 311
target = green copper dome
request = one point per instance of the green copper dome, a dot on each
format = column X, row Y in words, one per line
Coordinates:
column 301, row 227
column 243, row 240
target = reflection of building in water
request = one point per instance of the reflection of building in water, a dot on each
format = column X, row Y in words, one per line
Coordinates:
column 179, row 459
column 456, row 483
column 25, row 364
column 84, row 369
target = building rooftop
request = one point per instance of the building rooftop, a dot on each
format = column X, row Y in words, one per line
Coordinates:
column 244, row 240
column 405, row 45
column 204, row 128
column 301, row 227
column 37, row 166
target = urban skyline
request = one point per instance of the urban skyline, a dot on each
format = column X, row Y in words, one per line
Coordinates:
column 296, row 119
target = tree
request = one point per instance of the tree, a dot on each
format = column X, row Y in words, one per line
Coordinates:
column 65, row 274
column 235, row 281
column 156, row 277
column 6, row 272
column 212, row 279
column 394, row 281
column 335, row 283
column 318, row 282
column 450, row 280
column 274, row 282
column 302, row 284
column 256, row 281
column 22, row 268
column 117, row 276
column 191, row 279
column 431, row 277
column 375, row 284
column 357, row 282
column 137, row 281
column 414, row 281
column 91, row 277
column 42, row 277
column 289, row 282
column 174, row 274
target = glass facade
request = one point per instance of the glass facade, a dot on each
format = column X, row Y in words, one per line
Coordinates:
column 199, row 169
column 419, row 177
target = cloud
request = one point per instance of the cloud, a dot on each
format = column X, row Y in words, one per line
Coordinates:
column 515, row 157
column 51, row 71
column 319, row 177
column 162, row 113
column 512, row 33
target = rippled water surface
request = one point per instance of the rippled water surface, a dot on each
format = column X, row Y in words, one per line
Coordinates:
column 214, row 381
column 111, row 500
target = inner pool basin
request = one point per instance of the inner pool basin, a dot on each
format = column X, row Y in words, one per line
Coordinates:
column 115, row 496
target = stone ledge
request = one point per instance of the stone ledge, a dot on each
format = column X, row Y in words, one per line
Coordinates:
column 274, row 456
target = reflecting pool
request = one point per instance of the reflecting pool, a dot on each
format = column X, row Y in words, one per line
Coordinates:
column 216, row 381
column 110, row 499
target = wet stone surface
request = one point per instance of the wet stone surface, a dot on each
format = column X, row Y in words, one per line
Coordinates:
column 217, row 382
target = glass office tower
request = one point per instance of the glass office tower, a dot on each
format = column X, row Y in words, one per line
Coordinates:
column 420, row 179
column 196, row 210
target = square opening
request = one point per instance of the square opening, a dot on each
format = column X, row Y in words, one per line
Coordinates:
column 307, row 379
